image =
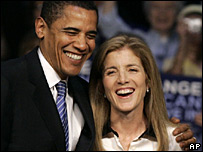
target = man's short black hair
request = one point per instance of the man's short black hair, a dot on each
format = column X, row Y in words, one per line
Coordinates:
column 52, row 10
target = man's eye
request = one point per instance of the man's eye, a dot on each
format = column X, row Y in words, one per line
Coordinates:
column 91, row 36
column 71, row 33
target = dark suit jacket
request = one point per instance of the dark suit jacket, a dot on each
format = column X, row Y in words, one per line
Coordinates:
column 29, row 117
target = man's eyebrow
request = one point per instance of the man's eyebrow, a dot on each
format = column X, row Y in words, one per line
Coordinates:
column 78, row 30
column 71, row 29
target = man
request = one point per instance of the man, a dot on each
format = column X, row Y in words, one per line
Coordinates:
column 29, row 116
column 30, row 119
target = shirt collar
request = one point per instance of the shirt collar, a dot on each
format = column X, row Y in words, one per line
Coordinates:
column 149, row 133
column 51, row 76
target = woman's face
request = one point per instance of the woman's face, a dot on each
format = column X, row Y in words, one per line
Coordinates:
column 124, row 80
column 162, row 15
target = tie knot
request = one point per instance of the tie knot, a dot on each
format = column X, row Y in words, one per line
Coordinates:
column 61, row 88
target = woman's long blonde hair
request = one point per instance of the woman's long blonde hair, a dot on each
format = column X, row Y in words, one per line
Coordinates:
column 154, row 103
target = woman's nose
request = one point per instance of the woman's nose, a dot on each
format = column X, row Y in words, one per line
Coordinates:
column 123, row 78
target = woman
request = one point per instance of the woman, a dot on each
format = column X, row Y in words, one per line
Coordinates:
column 188, row 60
column 127, row 98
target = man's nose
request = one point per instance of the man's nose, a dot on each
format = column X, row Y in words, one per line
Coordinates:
column 80, row 43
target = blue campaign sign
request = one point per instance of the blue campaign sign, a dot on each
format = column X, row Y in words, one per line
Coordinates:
column 183, row 96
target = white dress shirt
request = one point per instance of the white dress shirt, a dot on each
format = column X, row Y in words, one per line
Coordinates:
column 75, row 118
column 146, row 142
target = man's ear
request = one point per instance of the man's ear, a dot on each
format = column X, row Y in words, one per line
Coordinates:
column 40, row 26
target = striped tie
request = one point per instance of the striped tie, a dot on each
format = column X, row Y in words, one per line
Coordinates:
column 61, row 106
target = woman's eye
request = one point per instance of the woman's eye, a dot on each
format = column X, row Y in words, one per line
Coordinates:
column 110, row 72
column 133, row 70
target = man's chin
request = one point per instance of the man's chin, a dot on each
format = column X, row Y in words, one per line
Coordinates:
column 73, row 73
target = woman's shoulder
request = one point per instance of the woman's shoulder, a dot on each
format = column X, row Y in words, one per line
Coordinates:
column 173, row 145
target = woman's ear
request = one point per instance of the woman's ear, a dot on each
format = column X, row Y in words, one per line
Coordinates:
column 40, row 26
column 148, row 86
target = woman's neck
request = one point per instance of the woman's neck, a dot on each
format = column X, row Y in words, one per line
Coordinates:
column 128, row 126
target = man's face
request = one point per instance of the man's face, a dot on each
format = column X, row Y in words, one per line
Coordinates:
column 70, row 40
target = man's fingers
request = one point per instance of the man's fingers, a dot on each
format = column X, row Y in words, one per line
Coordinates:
column 185, row 144
column 185, row 136
column 186, row 149
column 175, row 120
column 181, row 129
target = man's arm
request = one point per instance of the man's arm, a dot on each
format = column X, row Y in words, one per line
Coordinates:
column 6, row 112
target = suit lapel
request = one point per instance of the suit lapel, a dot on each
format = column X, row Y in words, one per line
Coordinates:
column 46, row 105
column 81, row 97
column 44, row 100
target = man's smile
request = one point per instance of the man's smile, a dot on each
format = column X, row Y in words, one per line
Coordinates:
column 73, row 56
